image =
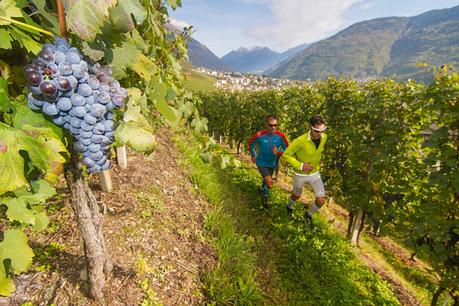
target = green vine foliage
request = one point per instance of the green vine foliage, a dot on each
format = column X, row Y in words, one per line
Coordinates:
column 129, row 36
column 376, row 157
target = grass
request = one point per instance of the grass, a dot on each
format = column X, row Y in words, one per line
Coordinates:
column 267, row 258
column 196, row 81
column 232, row 282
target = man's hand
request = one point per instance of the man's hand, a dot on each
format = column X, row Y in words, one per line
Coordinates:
column 307, row 167
column 275, row 150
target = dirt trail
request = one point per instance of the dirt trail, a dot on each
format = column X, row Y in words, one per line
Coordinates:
column 153, row 225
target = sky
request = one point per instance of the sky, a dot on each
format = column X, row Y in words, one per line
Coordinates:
column 225, row 25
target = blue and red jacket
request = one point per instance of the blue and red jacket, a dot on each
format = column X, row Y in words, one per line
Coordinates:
column 266, row 143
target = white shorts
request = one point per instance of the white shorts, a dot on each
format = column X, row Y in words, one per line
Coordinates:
column 299, row 180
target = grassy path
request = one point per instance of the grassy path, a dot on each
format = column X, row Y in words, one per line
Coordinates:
column 276, row 260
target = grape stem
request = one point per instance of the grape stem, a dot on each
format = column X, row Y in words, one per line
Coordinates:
column 27, row 26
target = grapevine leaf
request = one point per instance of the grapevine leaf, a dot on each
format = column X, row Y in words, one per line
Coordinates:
column 186, row 109
column 14, row 247
column 9, row 9
column 144, row 67
column 132, row 114
column 225, row 161
column 236, row 163
column 3, row 92
column 200, row 125
column 126, row 55
column 95, row 50
column 174, row 3
column 86, row 17
column 159, row 91
column 41, row 221
column 121, row 15
column 6, row 284
column 25, row 115
column 171, row 94
column 5, row 39
column 11, row 163
column 42, row 191
column 206, row 157
column 42, row 146
column 167, row 111
column 137, row 135
column 18, row 211
column 52, row 20
column 25, row 40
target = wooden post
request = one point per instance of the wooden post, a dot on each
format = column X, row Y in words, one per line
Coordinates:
column 121, row 157
column 105, row 180
column 356, row 227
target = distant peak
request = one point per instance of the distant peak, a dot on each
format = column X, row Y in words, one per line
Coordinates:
column 249, row 49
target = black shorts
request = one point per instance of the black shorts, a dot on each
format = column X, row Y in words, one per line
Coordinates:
column 266, row 171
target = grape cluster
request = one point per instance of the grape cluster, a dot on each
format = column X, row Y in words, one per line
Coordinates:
column 78, row 96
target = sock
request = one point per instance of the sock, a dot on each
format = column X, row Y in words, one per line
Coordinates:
column 264, row 190
column 290, row 202
column 313, row 208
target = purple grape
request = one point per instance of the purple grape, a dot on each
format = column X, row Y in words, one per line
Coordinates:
column 96, row 155
column 48, row 88
column 84, row 90
column 72, row 57
column 50, row 109
column 98, row 129
column 94, row 169
column 97, row 110
column 77, row 100
column 93, row 83
column 29, row 68
column 79, row 111
column 86, row 134
column 85, row 141
column 97, row 138
column 94, row 147
column 103, row 98
column 105, row 166
column 89, row 119
column 33, row 78
column 88, row 162
column 64, row 104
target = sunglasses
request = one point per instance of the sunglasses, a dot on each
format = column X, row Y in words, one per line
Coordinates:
column 318, row 130
column 272, row 125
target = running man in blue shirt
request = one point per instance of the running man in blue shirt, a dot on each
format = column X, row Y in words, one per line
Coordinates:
column 270, row 144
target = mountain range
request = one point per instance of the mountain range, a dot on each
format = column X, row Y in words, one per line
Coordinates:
column 391, row 46
column 381, row 47
column 249, row 60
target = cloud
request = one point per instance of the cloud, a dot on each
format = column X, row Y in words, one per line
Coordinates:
column 299, row 21
column 176, row 24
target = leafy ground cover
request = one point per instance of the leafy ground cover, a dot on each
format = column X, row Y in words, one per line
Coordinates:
column 295, row 265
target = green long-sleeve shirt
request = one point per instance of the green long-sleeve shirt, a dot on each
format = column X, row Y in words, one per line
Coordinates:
column 303, row 150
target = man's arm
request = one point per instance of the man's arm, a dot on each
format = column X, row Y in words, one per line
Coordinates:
column 251, row 143
column 283, row 145
column 289, row 155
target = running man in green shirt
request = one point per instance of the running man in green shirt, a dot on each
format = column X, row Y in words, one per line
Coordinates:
column 304, row 155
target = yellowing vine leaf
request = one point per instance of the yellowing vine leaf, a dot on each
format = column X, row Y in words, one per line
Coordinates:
column 6, row 284
column 5, row 39
column 8, row 9
column 135, row 131
column 120, row 16
column 26, row 206
column 137, row 135
column 86, row 17
column 14, row 247
column 42, row 146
